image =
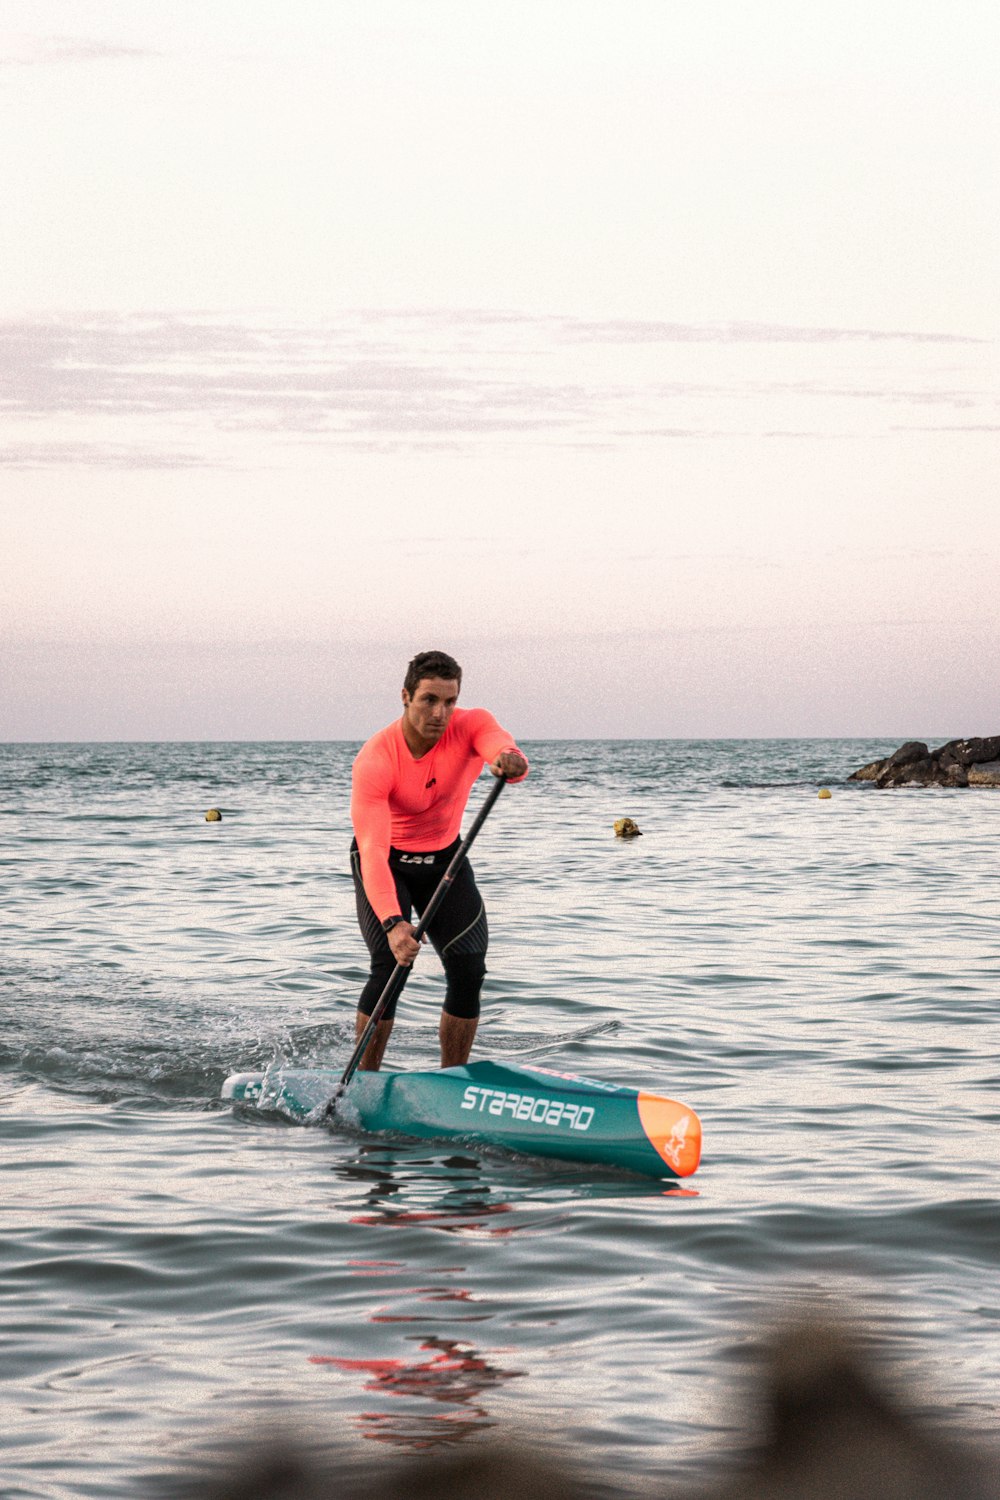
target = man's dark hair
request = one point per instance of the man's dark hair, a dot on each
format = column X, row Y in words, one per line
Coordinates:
column 431, row 664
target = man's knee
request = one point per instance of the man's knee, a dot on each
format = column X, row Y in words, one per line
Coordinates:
column 377, row 981
column 465, row 973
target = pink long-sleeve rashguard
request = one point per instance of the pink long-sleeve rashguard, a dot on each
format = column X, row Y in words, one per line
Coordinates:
column 417, row 805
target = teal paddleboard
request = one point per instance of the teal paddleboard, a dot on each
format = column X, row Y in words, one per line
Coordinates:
column 527, row 1109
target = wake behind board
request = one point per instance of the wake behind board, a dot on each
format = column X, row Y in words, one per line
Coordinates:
column 526, row 1109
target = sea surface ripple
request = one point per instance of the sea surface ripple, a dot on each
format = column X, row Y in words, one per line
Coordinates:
column 818, row 979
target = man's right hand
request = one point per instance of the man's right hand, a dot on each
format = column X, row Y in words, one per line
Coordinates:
column 403, row 943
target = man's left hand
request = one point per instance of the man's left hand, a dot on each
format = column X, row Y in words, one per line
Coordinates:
column 509, row 763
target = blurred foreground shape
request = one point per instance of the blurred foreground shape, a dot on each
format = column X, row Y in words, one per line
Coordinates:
column 831, row 1431
column 835, row 1433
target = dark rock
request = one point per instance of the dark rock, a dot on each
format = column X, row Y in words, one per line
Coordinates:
column 954, row 764
column 916, row 772
column 907, row 754
column 969, row 752
column 978, row 752
column 950, row 754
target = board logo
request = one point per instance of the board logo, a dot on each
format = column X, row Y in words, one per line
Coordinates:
column 675, row 1142
column 560, row 1114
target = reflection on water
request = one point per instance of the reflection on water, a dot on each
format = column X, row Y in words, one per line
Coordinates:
column 404, row 1187
column 458, row 1220
column 444, row 1293
column 462, row 1207
column 448, row 1372
column 399, row 1186
column 447, row 1193
column 434, row 1294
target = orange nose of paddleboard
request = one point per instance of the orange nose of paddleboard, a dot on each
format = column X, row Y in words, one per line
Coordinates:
column 672, row 1130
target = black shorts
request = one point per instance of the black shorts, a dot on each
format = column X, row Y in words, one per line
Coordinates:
column 458, row 930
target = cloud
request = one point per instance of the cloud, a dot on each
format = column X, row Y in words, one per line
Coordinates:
column 172, row 390
column 93, row 455
column 335, row 379
column 623, row 331
column 22, row 50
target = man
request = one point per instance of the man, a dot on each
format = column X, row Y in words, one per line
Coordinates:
column 410, row 784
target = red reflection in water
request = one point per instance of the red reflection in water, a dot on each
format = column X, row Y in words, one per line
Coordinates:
column 453, row 1220
column 435, row 1294
column 376, row 1267
column 431, row 1294
column 455, row 1374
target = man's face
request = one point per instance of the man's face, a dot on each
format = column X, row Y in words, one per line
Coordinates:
column 430, row 706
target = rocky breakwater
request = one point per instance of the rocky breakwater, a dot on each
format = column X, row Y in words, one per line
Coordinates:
column 959, row 763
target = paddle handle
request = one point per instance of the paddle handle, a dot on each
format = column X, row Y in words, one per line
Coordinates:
column 395, row 981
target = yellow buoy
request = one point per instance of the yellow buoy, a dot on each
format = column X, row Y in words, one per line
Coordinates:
column 626, row 829
column 825, row 792
column 213, row 815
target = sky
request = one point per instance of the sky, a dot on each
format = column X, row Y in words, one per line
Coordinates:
column 642, row 356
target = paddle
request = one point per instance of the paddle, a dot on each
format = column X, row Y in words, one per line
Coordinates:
column 398, row 974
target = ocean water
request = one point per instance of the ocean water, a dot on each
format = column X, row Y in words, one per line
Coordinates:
column 819, row 979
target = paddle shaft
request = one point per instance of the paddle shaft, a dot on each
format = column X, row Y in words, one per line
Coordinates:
column 396, row 978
